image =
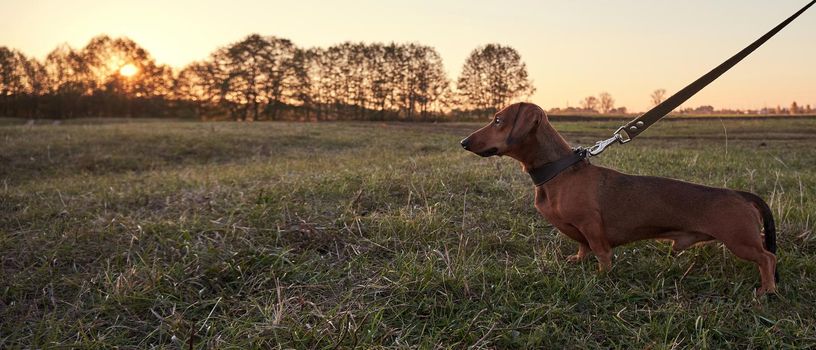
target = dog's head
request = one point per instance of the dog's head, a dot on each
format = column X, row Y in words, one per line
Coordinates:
column 509, row 129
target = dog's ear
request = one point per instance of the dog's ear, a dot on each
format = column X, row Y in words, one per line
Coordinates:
column 528, row 117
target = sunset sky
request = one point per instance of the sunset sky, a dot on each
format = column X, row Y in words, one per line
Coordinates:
column 572, row 48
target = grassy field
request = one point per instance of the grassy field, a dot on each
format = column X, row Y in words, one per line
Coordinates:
column 156, row 234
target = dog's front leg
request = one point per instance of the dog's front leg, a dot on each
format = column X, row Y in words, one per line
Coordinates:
column 595, row 235
column 583, row 249
column 575, row 234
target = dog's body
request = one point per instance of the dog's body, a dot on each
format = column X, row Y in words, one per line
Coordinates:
column 601, row 208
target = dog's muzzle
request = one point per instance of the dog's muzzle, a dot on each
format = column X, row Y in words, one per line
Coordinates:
column 486, row 153
column 465, row 143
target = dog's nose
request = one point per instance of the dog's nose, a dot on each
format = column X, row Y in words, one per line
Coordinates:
column 464, row 143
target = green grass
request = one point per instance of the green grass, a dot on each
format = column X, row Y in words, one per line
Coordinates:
column 228, row 235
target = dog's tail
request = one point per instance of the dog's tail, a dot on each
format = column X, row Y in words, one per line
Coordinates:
column 768, row 224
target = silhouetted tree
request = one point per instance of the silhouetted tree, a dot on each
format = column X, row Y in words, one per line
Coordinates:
column 111, row 92
column 657, row 96
column 202, row 84
column 355, row 80
column 88, row 82
column 250, row 79
column 794, row 108
column 493, row 75
column 258, row 77
column 605, row 102
column 381, row 59
column 260, row 74
column 20, row 79
column 300, row 81
column 590, row 104
column 344, row 71
column 426, row 85
column 67, row 80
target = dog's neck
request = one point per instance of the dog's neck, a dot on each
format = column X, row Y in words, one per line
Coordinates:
column 543, row 146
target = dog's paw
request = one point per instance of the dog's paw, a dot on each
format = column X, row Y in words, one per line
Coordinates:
column 575, row 258
column 760, row 292
column 604, row 267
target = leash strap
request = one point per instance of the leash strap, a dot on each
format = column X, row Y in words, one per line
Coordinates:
column 548, row 171
column 633, row 128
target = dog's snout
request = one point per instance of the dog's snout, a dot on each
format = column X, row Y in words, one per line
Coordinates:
column 464, row 143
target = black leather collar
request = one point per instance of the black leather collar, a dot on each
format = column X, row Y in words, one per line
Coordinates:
column 548, row 171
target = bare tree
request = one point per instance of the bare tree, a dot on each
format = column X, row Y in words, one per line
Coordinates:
column 299, row 82
column 89, row 81
column 66, row 71
column 202, row 85
column 20, row 78
column 340, row 76
column 315, row 66
column 606, row 102
column 381, row 76
column 590, row 104
column 493, row 75
column 657, row 96
column 249, row 79
column 353, row 80
column 21, row 83
column 426, row 83
column 66, row 81
column 104, row 57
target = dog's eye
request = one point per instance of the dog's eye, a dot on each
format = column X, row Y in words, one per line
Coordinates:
column 497, row 121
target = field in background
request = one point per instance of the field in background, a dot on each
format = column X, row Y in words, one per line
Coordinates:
column 231, row 235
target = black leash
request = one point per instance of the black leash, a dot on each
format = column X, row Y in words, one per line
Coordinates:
column 633, row 128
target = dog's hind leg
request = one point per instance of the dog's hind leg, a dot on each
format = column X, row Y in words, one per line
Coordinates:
column 767, row 269
column 766, row 262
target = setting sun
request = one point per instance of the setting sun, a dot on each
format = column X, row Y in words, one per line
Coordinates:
column 128, row 70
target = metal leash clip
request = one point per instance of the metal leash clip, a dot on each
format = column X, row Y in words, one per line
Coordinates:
column 617, row 137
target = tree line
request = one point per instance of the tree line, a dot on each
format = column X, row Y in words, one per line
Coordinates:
column 260, row 77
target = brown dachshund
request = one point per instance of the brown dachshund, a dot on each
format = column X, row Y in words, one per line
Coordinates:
column 601, row 208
